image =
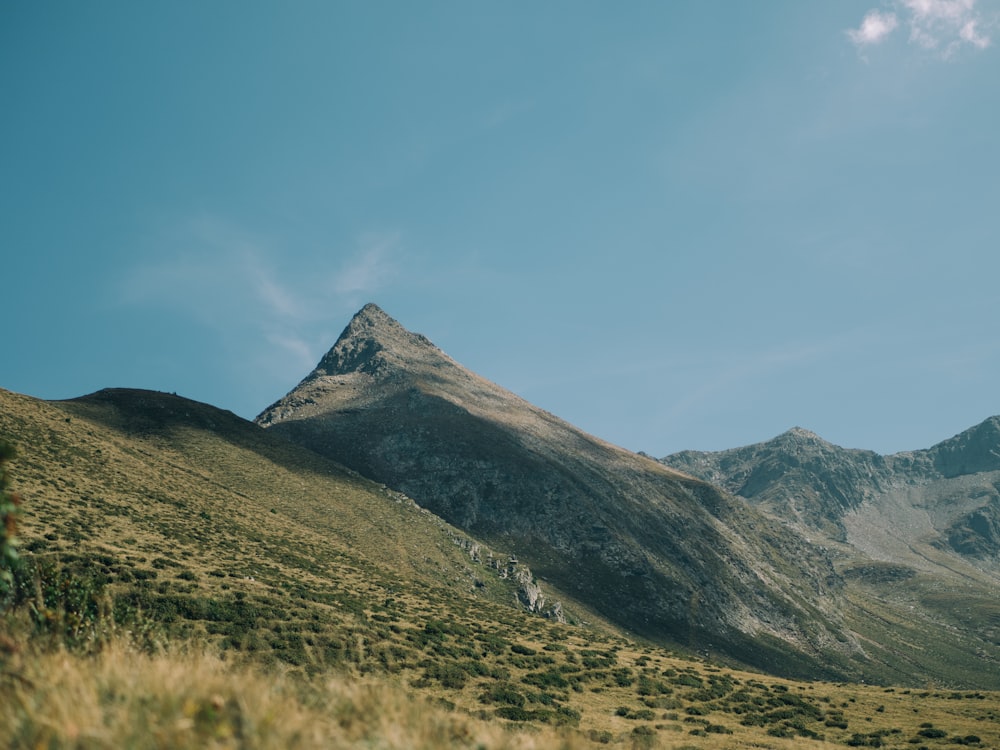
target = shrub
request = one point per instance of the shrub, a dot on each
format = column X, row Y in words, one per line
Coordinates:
column 63, row 600
column 9, row 511
column 450, row 675
column 552, row 678
column 502, row 693
column 718, row 729
column 932, row 733
column 514, row 713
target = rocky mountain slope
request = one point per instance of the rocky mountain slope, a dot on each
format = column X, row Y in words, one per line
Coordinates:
column 947, row 496
column 915, row 535
column 654, row 550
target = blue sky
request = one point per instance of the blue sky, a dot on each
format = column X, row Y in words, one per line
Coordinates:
column 674, row 224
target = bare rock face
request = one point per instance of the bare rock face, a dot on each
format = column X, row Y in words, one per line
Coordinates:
column 659, row 552
column 797, row 475
column 529, row 594
column 975, row 451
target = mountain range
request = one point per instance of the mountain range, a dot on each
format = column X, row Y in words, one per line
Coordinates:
column 948, row 494
column 408, row 483
column 787, row 556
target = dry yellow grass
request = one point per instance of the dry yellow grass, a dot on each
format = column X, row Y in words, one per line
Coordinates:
column 122, row 698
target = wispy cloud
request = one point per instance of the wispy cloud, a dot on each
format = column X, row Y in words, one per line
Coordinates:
column 234, row 283
column 212, row 272
column 370, row 267
column 941, row 26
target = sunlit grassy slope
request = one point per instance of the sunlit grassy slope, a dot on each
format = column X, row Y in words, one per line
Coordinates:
column 345, row 616
column 219, row 530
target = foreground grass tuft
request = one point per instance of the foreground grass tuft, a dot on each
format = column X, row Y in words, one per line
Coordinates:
column 122, row 697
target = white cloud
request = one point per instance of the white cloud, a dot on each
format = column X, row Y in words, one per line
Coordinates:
column 874, row 28
column 940, row 25
column 970, row 33
column 952, row 11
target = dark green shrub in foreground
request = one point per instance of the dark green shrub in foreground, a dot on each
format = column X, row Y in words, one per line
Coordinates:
column 9, row 511
column 65, row 601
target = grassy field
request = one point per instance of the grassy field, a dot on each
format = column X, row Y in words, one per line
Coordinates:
column 190, row 581
column 122, row 696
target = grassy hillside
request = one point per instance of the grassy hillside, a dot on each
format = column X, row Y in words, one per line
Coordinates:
column 218, row 587
column 216, row 529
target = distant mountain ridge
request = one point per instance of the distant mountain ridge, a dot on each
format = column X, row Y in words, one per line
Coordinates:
column 818, row 485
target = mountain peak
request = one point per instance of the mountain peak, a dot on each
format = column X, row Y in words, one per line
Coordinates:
column 371, row 322
column 371, row 315
column 801, row 432
column 370, row 341
column 800, row 436
column 974, row 450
